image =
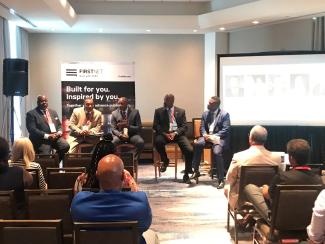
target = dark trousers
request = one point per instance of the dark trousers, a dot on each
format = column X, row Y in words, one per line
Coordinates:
column 60, row 145
column 184, row 145
column 135, row 140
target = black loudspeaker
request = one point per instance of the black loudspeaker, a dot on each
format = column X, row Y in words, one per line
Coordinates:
column 15, row 77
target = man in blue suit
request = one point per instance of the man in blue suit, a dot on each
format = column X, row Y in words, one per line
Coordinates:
column 215, row 130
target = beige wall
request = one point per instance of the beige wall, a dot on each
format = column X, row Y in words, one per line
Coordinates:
column 163, row 64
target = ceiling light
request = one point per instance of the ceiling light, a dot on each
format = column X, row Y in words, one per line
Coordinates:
column 63, row 3
column 72, row 13
column 100, row 30
column 222, row 28
column 12, row 11
column 148, row 30
column 314, row 18
column 255, row 22
column 195, row 30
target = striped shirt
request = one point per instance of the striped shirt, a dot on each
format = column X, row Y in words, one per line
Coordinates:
column 33, row 165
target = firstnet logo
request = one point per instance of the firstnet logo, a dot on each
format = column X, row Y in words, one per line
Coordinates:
column 71, row 72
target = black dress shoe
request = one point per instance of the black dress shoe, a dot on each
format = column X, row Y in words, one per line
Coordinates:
column 163, row 167
column 221, row 185
column 186, row 179
column 195, row 175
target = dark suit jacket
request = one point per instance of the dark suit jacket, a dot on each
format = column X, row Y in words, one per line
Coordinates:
column 37, row 125
column 134, row 121
column 161, row 120
column 222, row 127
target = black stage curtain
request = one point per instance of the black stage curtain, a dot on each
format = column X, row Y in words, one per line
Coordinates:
column 278, row 136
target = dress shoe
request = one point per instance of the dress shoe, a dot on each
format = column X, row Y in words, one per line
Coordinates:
column 247, row 223
column 186, row 179
column 221, row 185
column 163, row 167
column 195, row 175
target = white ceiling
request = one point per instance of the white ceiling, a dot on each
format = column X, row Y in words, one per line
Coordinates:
column 160, row 17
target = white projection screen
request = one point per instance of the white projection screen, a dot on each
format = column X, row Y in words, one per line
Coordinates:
column 273, row 89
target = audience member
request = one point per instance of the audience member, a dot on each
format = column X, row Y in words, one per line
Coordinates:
column 316, row 229
column 89, row 180
column 13, row 178
column 170, row 126
column 44, row 127
column 111, row 204
column 215, row 130
column 85, row 125
column 300, row 174
column 256, row 154
column 23, row 155
column 126, row 126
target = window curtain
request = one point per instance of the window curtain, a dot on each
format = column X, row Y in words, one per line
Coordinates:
column 318, row 34
column 5, row 103
column 22, row 52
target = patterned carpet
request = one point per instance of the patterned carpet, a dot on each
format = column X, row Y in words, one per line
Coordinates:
column 186, row 213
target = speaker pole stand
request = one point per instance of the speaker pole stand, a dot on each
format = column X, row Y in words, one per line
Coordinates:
column 12, row 128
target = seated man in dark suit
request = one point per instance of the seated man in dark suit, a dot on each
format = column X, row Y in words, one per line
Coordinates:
column 126, row 126
column 13, row 178
column 170, row 126
column 44, row 127
column 112, row 204
column 300, row 174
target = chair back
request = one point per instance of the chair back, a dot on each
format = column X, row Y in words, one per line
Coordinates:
column 292, row 206
column 317, row 168
column 196, row 122
column 35, row 173
column 31, row 232
column 128, row 160
column 77, row 159
column 106, row 232
column 63, row 178
column 47, row 161
column 50, row 204
column 7, row 205
column 257, row 175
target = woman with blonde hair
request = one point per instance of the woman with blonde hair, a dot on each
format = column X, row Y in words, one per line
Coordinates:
column 23, row 155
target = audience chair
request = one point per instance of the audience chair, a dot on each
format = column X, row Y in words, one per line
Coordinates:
column 127, row 152
column 7, row 205
column 291, row 214
column 105, row 232
column 63, row 178
column 257, row 175
column 85, row 148
column 47, row 161
column 31, row 232
column 317, row 168
column 35, row 173
column 77, row 159
column 50, row 204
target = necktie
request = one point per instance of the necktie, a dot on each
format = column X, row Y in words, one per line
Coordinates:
column 123, row 115
column 48, row 117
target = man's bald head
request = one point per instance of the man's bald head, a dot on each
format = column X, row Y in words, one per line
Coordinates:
column 110, row 172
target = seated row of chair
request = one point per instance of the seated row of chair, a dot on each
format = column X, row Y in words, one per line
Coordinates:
column 51, row 232
column 291, row 208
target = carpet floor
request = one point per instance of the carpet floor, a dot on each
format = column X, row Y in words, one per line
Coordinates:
column 187, row 213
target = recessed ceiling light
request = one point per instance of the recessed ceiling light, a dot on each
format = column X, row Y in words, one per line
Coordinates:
column 314, row 18
column 72, row 13
column 12, row 11
column 255, row 22
column 148, row 30
column 222, row 28
column 195, row 30
column 100, row 30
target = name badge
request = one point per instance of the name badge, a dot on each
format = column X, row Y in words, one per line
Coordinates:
column 52, row 128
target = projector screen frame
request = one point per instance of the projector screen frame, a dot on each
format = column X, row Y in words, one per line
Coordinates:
column 274, row 53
